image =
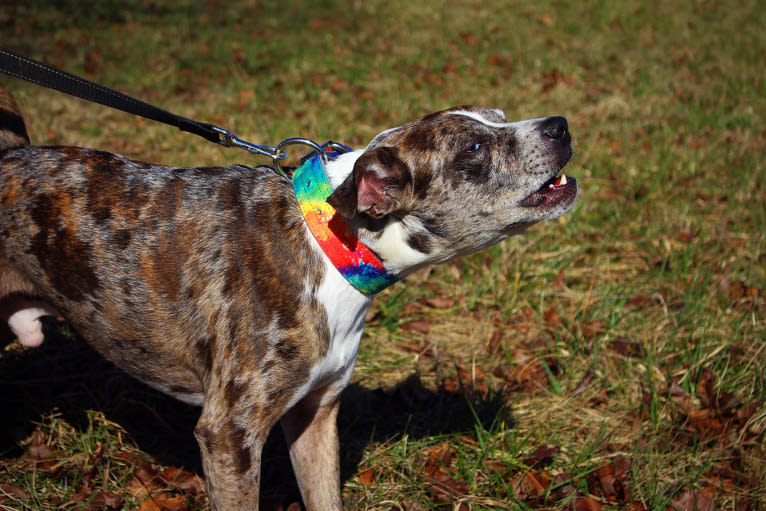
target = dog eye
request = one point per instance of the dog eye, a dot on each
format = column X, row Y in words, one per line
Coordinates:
column 474, row 147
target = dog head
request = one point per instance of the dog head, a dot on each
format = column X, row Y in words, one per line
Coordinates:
column 457, row 181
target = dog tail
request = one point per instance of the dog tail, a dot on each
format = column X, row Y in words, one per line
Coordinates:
column 13, row 131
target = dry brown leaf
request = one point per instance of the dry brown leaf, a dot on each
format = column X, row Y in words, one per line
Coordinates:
column 533, row 372
column 11, row 490
column 146, row 474
column 494, row 341
column 174, row 474
column 367, row 477
column 445, row 488
column 105, row 499
column 136, row 488
column 182, row 479
column 531, row 485
column 693, row 500
column 127, row 457
column 439, row 457
column 551, row 316
column 440, row 302
column 500, row 61
column 639, row 301
column 42, row 451
column 419, row 325
column 623, row 466
column 745, row 413
column 586, row 504
column 564, row 484
column 451, row 384
column 609, row 480
column 541, row 456
column 626, row 348
column 148, row 504
column 679, row 396
column 609, row 485
column 412, row 309
column 591, row 329
column 470, row 38
column 583, row 384
column 503, row 372
column 499, row 469
column 545, row 19
column 706, row 388
column 410, row 506
column 170, row 502
column 554, row 77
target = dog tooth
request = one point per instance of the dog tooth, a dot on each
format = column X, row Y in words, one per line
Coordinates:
column 561, row 181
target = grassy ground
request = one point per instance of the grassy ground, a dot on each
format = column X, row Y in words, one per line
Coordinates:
column 611, row 359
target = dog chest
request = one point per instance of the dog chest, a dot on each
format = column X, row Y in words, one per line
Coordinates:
column 345, row 309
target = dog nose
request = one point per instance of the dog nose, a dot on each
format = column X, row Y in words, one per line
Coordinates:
column 555, row 128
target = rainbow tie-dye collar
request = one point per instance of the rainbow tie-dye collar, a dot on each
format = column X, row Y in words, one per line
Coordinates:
column 357, row 263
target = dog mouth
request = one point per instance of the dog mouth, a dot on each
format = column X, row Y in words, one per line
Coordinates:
column 557, row 190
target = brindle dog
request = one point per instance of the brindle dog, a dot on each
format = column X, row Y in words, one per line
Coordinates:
column 207, row 284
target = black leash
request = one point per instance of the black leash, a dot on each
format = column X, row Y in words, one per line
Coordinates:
column 18, row 66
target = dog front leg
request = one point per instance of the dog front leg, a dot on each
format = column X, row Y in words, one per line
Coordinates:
column 231, row 459
column 312, row 435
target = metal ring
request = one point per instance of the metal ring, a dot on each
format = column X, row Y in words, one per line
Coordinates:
column 295, row 141
column 300, row 140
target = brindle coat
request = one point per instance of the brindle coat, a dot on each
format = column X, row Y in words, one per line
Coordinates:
column 205, row 282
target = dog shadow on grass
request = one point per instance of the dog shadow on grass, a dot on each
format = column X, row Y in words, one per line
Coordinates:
column 67, row 377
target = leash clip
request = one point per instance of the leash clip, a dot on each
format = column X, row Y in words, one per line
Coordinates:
column 228, row 139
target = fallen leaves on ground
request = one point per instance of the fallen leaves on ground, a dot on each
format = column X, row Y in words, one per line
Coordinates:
column 609, row 481
column 718, row 415
column 12, row 492
column 366, row 476
column 41, row 452
column 532, row 371
column 471, row 380
column 439, row 479
column 693, row 500
column 530, row 480
column 169, row 489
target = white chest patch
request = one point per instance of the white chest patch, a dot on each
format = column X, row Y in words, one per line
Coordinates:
column 345, row 309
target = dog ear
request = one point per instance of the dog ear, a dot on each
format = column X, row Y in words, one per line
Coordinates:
column 377, row 186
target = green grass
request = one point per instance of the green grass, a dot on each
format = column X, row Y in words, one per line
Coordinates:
column 576, row 337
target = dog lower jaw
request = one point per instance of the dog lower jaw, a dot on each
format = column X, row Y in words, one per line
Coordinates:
column 557, row 191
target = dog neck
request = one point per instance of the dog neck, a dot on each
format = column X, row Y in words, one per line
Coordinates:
column 358, row 264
